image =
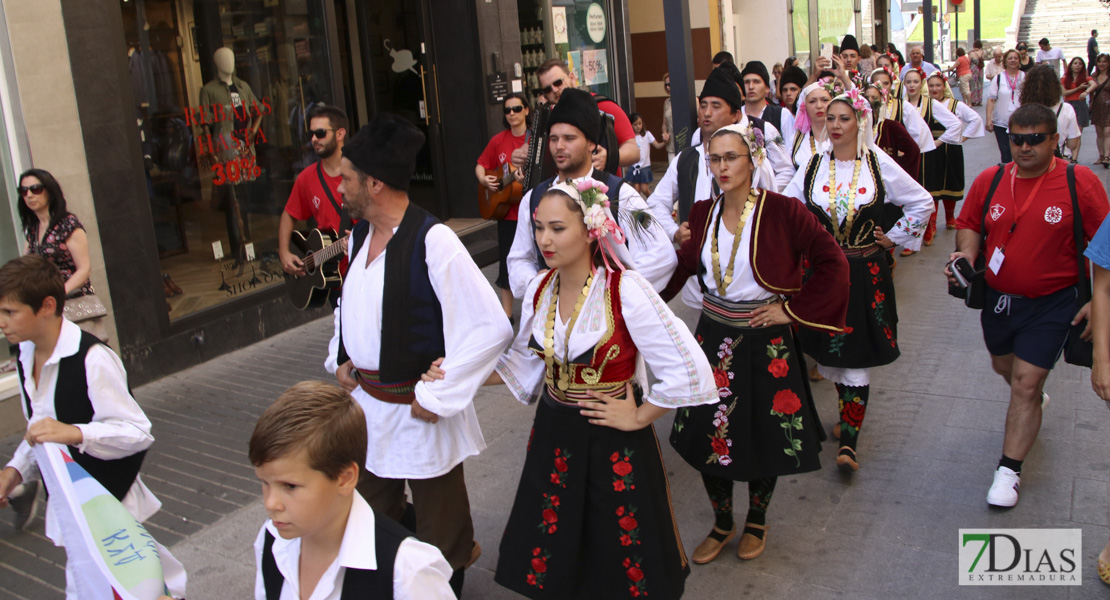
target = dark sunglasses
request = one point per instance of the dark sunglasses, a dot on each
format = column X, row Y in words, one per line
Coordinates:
column 320, row 133
column 35, row 189
column 516, row 109
column 558, row 83
column 1033, row 139
column 667, row 85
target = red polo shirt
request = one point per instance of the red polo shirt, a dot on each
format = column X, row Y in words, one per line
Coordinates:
column 1040, row 253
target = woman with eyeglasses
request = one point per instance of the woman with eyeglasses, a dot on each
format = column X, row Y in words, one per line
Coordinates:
column 56, row 234
column 746, row 252
column 495, row 172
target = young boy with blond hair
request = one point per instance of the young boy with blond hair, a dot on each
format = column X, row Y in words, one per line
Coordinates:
column 323, row 541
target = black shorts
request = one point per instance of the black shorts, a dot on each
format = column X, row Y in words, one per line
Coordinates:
column 1033, row 329
column 506, row 231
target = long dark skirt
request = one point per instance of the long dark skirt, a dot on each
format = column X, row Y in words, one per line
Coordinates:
column 765, row 424
column 871, row 335
column 592, row 516
column 943, row 170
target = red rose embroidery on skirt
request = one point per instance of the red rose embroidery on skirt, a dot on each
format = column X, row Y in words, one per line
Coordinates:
column 786, row 402
column 778, row 367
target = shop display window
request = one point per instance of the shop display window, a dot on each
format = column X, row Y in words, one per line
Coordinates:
column 11, row 240
column 576, row 31
column 221, row 89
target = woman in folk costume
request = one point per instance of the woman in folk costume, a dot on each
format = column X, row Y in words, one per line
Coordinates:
column 945, row 165
column 847, row 188
column 745, row 253
column 592, row 516
column 945, row 128
column 810, row 137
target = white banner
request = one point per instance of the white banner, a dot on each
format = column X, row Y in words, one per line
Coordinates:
column 111, row 553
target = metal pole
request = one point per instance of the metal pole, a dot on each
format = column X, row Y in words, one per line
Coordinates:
column 927, row 13
column 975, row 21
column 680, row 64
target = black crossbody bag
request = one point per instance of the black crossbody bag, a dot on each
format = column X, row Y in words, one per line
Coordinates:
column 344, row 217
column 1078, row 351
column 975, row 294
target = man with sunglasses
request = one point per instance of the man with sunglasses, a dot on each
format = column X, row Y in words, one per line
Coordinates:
column 1024, row 210
column 554, row 80
column 315, row 192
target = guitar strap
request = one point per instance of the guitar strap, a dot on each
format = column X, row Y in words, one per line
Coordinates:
column 344, row 218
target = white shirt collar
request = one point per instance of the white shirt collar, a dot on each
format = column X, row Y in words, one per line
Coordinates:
column 357, row 548
column 69, row 342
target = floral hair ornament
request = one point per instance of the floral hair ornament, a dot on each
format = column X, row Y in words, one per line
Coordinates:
column 763, row 176
column 865, row 138
column 830, row 85
column 592, row 197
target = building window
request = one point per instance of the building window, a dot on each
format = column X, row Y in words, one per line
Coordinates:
column 221, row 89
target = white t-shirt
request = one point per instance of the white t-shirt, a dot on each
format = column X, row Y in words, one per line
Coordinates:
column 1006, row 97
column 644, row 143
column 1066, row 123
column 1053, row 57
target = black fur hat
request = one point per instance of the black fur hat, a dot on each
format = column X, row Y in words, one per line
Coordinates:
column 756, row 67
column 793, row 75
column 578, row 108
column 721, row 85
column 386, row 149
column 849, row 43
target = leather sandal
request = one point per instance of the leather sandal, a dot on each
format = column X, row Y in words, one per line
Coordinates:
column 712, row 545
column 907, row 252
column 751, row 545
column 846, row 459
column 1104, row 571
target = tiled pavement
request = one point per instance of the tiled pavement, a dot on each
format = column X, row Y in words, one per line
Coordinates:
column 929, row 445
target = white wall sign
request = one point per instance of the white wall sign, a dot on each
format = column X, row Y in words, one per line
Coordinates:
column 559, row 24
column 595, row 23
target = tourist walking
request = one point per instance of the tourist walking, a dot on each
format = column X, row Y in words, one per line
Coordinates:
column 1100, row 108
column 1003, row 98
column 975, row 58
column 1077, row 84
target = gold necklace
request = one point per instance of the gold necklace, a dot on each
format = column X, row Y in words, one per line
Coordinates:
column 722, row 284
column 840, row 233
column 549, row 333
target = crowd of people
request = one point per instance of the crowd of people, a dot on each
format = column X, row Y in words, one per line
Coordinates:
column 778, row 224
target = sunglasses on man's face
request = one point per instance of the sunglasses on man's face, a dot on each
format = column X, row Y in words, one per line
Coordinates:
column 1033, row 139
column 516, row 109
column 35, row 188
column 558, row 83
column 320, row 133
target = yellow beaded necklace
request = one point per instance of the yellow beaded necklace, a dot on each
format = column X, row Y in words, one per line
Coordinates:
column 841, row 233
column 549, row 333
column 723, row 283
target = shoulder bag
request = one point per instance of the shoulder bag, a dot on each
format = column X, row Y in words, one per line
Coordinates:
column 1078, row 351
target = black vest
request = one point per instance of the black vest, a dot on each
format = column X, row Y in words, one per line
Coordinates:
column 862, row 233
column 412, row 319
column 73, row 407
column 614, row 184
column 690, row 168
column 772, row 114
column 357, row 583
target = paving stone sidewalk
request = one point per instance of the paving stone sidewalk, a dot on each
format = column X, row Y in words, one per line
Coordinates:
column 931, row 440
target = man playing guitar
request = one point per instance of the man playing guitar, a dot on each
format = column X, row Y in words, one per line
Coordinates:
column 315, row 192
column 493, row 165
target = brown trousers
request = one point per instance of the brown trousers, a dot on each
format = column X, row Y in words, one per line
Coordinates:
column 441, row 504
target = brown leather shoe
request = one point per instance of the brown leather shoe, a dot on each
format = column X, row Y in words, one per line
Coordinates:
column 846, row 459
column 475, row 554
column 814, row 374
column 710, row 547
column 750, row 545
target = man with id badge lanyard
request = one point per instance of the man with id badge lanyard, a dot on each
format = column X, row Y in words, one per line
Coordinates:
column 1031, row 273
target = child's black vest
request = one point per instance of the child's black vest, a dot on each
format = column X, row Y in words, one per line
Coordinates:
column 357, row 583
column 412, row 318
column 73, row 407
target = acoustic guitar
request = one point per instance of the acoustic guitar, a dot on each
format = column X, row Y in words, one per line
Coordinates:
column 495, row 205
column 320, row 252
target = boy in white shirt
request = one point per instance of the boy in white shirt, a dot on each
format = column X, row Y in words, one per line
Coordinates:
column 323, row 541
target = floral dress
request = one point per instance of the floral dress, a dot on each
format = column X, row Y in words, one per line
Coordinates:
column 592, row 517
column 53, row 247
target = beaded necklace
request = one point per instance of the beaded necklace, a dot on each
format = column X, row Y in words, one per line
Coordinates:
column 841, row 233
column 549, row 333
column 723, row 283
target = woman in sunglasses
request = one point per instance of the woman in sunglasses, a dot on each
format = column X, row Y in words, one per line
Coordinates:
column 494, row 171
column 56, row 234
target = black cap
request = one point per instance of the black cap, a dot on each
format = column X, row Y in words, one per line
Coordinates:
column 578, row 108
column 756, row 67
column 793, row 74
column 849, row 43
column 386, row 149
column 721, row 85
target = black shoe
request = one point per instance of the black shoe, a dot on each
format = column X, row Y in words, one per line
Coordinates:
column 25, row 503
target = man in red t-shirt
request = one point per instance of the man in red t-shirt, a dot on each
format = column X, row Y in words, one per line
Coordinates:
column 1032, row 274
column 309, row 198
column 554, row 78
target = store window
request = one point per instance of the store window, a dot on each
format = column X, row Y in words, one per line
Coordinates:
column 10, row 237
column 834, row 19
column 221, row 91
column 577, row 31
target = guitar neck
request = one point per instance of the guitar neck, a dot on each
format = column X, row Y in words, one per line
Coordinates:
column 335, row 249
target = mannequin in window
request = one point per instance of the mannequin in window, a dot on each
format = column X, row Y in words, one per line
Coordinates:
column 232, row 116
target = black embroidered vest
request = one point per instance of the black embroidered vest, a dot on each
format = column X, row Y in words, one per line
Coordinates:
column 867, row 216
column 73, row 407
column 412, row 318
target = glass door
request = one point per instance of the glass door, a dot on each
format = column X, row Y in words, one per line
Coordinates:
column 401, row 79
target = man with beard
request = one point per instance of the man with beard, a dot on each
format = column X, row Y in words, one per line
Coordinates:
column 315, row 192
column 574, row 131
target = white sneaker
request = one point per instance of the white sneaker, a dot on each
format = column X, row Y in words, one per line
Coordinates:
column 1004, row 490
